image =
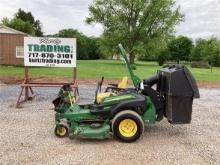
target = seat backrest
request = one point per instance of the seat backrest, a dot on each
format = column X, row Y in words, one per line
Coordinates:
column 124, row 82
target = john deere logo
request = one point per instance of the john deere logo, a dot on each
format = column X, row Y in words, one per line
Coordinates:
column 55, row 41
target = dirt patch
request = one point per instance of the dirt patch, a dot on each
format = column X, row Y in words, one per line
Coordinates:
column 209, row 84
column 11, row 80
column 84, row 81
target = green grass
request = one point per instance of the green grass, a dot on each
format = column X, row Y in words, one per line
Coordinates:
column 111, row 69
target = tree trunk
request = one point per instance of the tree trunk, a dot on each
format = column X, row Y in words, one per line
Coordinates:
column 178, row 61
column 131, row 58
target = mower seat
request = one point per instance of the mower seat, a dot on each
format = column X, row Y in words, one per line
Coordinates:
column 124, row 82
column 114, row 90
column 103, row 95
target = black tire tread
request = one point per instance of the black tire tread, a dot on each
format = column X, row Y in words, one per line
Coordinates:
column 132, row 114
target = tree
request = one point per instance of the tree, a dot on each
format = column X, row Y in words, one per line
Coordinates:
column 106, row 47
column 207, row 50
column 196, row 54
column 93, row 48
column 155, row 49
column 37, row 28
column 163, row 56
column 81, row 41
column 25, row 22
column 25, row 16
column 180, row 48
column 211, row 51
column 19, row 24
column 134, row 23
column 87, row 48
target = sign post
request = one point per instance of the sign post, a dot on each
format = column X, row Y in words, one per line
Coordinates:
column 47, row 52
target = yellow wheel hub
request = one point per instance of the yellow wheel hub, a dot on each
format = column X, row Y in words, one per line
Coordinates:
column 61, row 131
column 128, row 127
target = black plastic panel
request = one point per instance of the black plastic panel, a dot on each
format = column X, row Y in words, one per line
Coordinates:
column 179, row 109
column 179, row 87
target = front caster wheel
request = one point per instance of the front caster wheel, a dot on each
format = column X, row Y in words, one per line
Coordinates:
column 127, row 126
column 61, row 130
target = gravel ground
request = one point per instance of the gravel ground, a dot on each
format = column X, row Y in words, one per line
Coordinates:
column 26, row 135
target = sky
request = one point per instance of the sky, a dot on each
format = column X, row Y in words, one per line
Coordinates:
column 202, row 17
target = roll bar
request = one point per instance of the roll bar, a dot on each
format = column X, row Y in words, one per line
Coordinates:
column 135, row 79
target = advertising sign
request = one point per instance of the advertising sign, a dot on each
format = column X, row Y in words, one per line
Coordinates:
column 49, row 52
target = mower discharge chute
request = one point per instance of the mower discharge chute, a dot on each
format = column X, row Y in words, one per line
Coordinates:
column 124, row 112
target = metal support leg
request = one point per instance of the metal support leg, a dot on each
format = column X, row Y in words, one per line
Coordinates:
column 19, row 98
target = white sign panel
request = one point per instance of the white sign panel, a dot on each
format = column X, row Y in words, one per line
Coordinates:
column 49, row 52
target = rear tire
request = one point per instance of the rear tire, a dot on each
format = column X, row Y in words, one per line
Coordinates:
column 127, row 126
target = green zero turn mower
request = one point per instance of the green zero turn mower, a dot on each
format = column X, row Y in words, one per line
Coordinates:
column 123, row 112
